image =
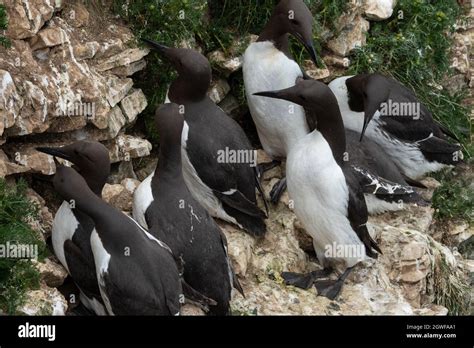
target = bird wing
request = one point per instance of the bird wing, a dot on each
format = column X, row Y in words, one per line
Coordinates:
column 82, row 270
column 357, row 213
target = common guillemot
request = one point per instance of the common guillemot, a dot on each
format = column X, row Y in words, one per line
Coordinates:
column 177, row 219
column 224, row 188
column 391, row 115
column 268, row 65
column 327, row 195
column 72, row 228
column 137, row 274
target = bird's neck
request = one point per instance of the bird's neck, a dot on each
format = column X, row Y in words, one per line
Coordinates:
column 331, row 126
column 95, row 182
column 91, row 204
column 188, row 89
column 169, row 166
column 279, row 39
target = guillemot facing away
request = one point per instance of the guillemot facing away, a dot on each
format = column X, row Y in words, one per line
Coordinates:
column 177, row 219
column 391, row 115
column 72, row 228
column 327, row 195
column 225, row 187
column 136, row 273
column 385, row 188
column 268, row 66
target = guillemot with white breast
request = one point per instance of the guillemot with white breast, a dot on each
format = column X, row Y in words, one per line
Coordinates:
column 137, row 274
column 71, row 230
column 391, row 115
column 268, row 65
column 177, row 219
column 225, row 189
column 327, row 195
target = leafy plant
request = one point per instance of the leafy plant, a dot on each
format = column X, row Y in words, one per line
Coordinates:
column 17, row 275
column 414, row 47
column 3, row 26
column 454, row 199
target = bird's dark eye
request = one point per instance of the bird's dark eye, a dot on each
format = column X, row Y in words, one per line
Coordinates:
column 303, row 97
column 295, row 22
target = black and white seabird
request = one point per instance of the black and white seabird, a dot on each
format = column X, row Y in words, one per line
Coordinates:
column 385, row 188
column 72, row 228
column 328, row 197
column 137, row 274
column 391, row 115
column 177, row 219
column 267, row 66
column 225, row 187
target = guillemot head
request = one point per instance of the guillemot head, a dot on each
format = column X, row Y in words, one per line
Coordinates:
column 291, row 17
column 90, row 158
column 321, row 110
column 69, row 183
column 366, row 92
column 193, row 69
column 311, row 94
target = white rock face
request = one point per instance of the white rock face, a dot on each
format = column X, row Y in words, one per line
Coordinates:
column 352, row 34
column 54, row 79
column 133, row 104
column 378, row 10
column 45, row 301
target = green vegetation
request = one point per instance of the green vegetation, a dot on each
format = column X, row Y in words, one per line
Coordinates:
column 173, row 21
column 17, row 275
column 3, row 26
column 454, row 199
column 451, row 288
column 413, row 46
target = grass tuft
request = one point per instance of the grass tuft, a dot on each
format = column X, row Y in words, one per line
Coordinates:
column 413, row 46
column 454, row 199
column 17, row 275
column 5, row 42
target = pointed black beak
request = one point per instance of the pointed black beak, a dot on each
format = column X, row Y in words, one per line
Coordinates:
column 269, row 94
column 364, row 128
column 156, row 46
column 312, row 52
column 55, row 152
column 309, row 47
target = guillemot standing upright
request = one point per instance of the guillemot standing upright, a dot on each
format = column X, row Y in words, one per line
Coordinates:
column 177, row 219
column 328, row 198
column 267, row 66
column 72, row 228
column 391, row 115
column 137, row 274
column 225, row 187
